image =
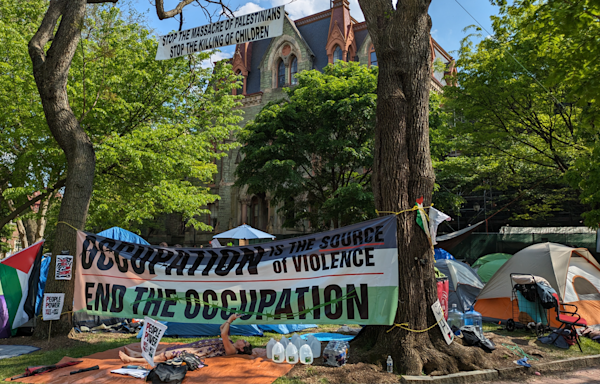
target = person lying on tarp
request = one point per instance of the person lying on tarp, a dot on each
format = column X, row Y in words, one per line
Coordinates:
column 203, row 348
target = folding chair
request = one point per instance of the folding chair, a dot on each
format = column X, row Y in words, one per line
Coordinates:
column 568, row 320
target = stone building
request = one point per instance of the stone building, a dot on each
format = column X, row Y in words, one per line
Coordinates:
column 268, row 66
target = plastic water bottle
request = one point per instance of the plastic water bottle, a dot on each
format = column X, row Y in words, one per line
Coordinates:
column 306, row 355
column 270, row 346
column 278, row 353
column 315, row 347
column 455, row 317
column 390, row 365
column 472, row 317
column 291, row 353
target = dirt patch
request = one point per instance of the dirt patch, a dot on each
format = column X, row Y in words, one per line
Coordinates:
column 319, row 373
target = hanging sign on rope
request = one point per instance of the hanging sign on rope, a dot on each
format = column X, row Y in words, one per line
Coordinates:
column 255, row 26
column 345, row 276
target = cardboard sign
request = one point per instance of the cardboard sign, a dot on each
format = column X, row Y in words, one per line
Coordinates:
column 53, row 305
column 444, row 327
column 64, row 267
column 151, row 334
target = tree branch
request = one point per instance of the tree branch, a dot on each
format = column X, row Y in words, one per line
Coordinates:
column 18, row 210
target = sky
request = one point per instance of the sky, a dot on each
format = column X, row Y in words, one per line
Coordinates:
column 449, row 19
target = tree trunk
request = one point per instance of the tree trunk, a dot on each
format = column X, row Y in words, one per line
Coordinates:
column 20, row 227
column 402, row 173
column 51, row 69
column 42, row 220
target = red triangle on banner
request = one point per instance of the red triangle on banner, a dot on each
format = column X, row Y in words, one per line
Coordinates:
column 24, row 259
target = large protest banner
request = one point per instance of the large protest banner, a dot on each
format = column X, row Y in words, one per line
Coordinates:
column 259, row 25
column 345, row 276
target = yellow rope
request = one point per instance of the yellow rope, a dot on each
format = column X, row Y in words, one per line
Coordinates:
column 406, row 210
column 65, row 223
column 405, row 327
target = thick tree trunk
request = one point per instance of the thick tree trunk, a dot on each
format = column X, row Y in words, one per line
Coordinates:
column 51, row 69
column 402, row 173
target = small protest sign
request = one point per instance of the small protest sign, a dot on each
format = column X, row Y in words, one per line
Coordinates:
column 53, row 304
column 151, row 334
column 64, row 267
column 444, row 327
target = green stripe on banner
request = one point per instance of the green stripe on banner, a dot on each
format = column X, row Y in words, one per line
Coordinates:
column 370, row 305
column 11, row 286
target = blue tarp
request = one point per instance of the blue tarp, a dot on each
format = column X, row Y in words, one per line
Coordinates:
column 328, row 336
column 200, row 330
column 123, row 235
column 44, row 266
column 441, row 254
column 285, row 328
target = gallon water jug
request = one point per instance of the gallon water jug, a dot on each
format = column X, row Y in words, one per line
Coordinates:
column 294, row 337
column 455, row 317
column 284, row 341
column 472, row 317
column 278, row 353
column 270, row 346
column 298, row 342
column 306, row 355
column 291, row 353
column 315, row 347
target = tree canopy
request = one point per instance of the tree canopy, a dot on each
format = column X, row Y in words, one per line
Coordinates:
column 156, row 126
column 513, row 124
column 313, row 152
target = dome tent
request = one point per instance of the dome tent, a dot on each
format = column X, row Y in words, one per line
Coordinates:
column 572, row 272
column 489, row 258
column 464, row 283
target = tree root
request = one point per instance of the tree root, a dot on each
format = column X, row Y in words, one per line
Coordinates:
column 427, row 356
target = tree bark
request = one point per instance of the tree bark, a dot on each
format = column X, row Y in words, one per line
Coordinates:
column 402, row 173
column 51, row 69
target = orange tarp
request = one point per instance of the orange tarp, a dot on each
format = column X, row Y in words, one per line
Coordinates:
column 236, row 369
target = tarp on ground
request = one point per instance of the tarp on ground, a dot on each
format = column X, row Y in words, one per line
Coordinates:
column 345, row 276
column 285, row 328
column 202, row 330
column 19, row 277
column 464, row 284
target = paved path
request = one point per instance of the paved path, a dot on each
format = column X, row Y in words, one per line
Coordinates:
column 582, row 376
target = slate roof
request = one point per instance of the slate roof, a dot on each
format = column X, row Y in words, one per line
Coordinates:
column 259, row 49
column 315, row 34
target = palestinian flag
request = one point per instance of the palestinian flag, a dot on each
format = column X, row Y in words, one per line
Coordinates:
column 19, row 276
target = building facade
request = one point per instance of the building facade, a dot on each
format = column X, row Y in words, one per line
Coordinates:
column 268, row 66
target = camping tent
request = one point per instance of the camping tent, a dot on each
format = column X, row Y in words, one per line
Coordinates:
column 488, row 270
column 489, row 258
column 572, row 272
column 464, row 283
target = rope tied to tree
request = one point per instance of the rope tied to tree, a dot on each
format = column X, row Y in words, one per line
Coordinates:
column 67, row 224
column 405, row 327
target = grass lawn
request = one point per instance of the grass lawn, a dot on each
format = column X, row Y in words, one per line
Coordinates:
column 81, row 345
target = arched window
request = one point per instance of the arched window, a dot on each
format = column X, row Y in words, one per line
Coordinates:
column 281, row 74
column 337, row 54
column 372, row 56
column 293, row 71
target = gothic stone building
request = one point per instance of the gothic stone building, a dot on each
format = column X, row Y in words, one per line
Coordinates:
column 268, row 66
